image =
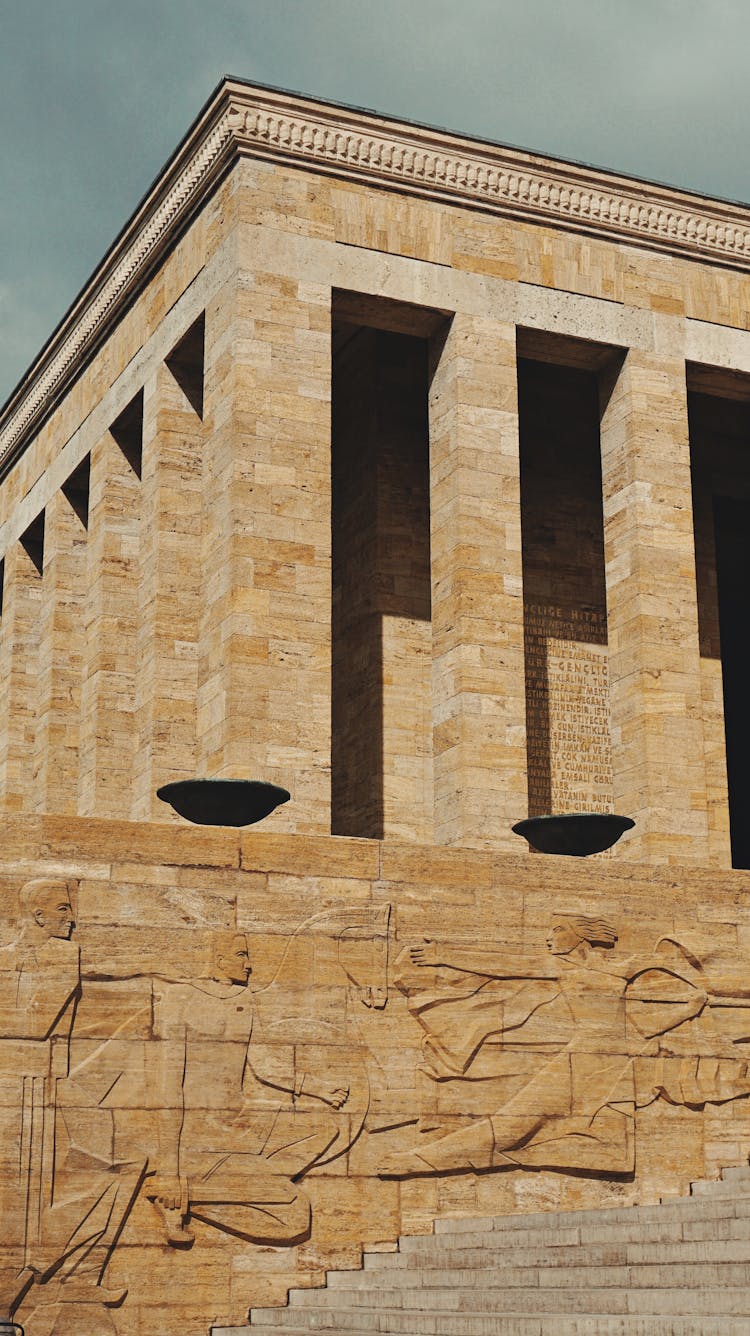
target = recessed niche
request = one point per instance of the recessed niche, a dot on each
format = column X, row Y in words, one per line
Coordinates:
column 569, row 749
column 381, row 756
column 719, row 416
column 127, row 431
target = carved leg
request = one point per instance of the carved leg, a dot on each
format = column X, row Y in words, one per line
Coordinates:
column 83, row 1289
column 283, row 1225
column 471, row 1148
column 75, row 1267
column 13, row 1286
column 251, row 1200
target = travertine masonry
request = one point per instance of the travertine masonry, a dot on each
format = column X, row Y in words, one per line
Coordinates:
column 322, row 917
column 110, row 621
column 170, row 590
column 381, row 631
column 478, row 689
column 61, row 642
column 264, row 660
column 652, row 614
column 267, row 251
column 22, row 597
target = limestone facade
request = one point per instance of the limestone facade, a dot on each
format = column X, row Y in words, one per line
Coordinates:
column 410, row 473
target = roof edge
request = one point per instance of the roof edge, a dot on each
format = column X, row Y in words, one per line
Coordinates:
column 244, row 119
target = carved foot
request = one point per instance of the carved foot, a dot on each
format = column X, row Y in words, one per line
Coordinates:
column 404, row 1164
column 173, row 1220
column 87, row 1292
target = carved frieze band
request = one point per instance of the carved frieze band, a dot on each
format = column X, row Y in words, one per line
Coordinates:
column 251, row 122
column 489, row 180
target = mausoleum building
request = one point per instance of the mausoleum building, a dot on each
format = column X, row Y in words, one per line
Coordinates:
column 410, row 473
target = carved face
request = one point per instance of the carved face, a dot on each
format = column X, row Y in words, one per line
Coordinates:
column 54, row 913
column 233, row 960
column 562, row 939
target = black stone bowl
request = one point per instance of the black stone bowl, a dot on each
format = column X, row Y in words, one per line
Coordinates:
column 223, row 802
column 575, row 833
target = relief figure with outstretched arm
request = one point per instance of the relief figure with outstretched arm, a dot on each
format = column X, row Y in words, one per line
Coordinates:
column 578, row 1110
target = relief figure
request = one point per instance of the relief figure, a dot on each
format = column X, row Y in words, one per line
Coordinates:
column 234, row 1138
column 62, row 1206
column 623, row 1015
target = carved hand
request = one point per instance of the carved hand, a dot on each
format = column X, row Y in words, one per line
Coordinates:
column 426, row 954
column 334, row 1095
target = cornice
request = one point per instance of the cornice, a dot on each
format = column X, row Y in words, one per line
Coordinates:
column 243, row 120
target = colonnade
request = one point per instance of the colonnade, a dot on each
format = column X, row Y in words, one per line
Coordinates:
column 182, row 625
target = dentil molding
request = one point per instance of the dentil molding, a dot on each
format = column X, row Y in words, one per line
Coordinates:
column 244, row 120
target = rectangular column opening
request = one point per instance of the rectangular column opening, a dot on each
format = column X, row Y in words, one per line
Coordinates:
column 127, row 431
column 76, row 490
column 719, row 417
column 32, row 542
column 569, row 746
column 186, row 363
column 381, row 748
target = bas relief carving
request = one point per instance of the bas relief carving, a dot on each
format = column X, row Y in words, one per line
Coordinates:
column 239, row 1132
column 194, row 1103
column 62, row 1202
column 581, row 1038
column 236, row 1120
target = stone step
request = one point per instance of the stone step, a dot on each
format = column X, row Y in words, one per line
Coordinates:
column 552, row 1324
column 465, row 1251
column 726, row 1224
column 718, row 1188
column 466, row 1264
column 474, row 1307
column 731, row 1240
column 681, row 1267
column 669, row 1306
column 464, row 1289
column 675, row 1208
column 736, row 1173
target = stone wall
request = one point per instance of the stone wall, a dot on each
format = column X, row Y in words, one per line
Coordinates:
column 386, row 1083
column 204, row 613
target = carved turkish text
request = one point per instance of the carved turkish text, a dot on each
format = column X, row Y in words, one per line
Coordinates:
column 567, row 691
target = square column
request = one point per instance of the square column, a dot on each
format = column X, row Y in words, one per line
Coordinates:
column 652, row 613
column 264, row 709
column 19, row 652
column 61, row 641
column 169, row 593
column 479, row 706
column 107, row 727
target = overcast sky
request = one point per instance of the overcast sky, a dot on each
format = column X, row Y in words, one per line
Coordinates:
column 95, row 94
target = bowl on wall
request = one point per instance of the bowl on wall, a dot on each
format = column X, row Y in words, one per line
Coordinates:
column 577, row 834
column 223, row 802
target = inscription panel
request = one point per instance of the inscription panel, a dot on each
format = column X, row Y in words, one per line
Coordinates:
column 567, row 693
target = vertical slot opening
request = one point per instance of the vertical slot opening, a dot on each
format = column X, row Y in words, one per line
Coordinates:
column 719, row 418
column 381, row 616
column 32, row 542
column 127, row 431
column 569, row 748
column 76, row 490
column 186, row 363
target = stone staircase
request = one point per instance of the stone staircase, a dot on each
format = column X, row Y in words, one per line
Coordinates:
column 682, row 1267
